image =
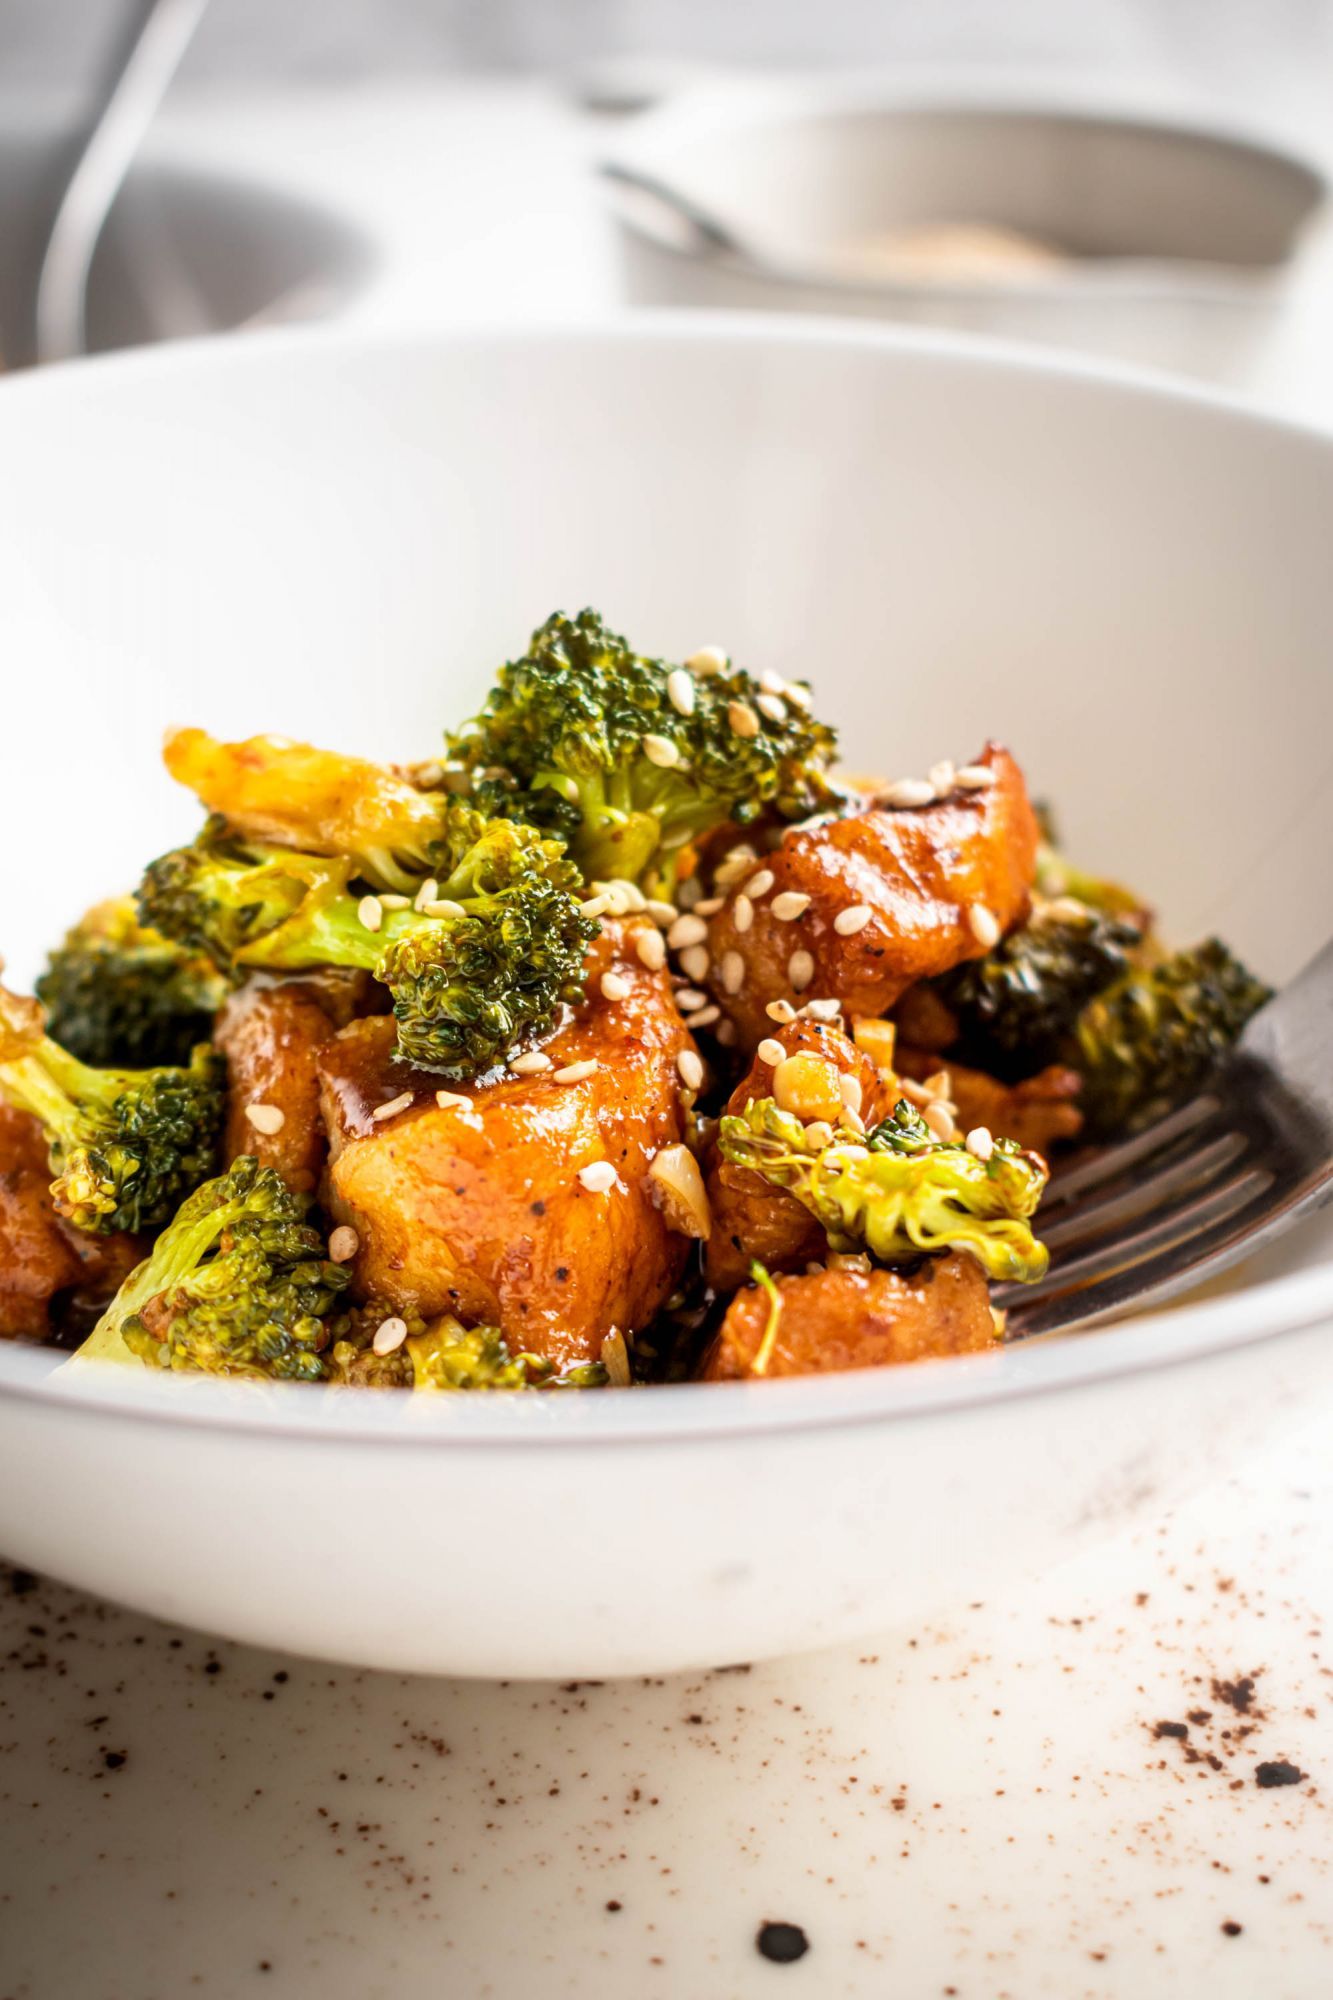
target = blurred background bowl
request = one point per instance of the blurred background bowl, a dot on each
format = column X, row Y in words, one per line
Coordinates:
column 1169, row 244
column 183, row 252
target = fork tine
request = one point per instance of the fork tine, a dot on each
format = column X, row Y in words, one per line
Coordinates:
column 1112, row 1161
column 1123, row 1255
column 1193, row 1169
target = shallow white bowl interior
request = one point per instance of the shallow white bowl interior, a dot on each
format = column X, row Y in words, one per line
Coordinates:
column 340, row 536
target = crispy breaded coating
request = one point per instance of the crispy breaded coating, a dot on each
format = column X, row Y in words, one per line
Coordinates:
column 923, row 875
column 751, row 1218
column 476, row 1208
column 41, row 1256
column 838, row 1319
column 1038, row 1112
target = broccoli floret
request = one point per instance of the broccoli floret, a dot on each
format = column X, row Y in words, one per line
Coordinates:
column 901, row 1192
column 1015, row 1007
column 1057, row 877
column 1154, row 1035
column 582, row 736
column 125, row 1145
column 484, row 965
column 115, row 993
column 237, row 1284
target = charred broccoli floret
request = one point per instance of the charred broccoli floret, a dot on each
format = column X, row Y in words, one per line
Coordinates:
column 237, row 1284
column 125, row 1145
column 1015, row 1007
column 115, row 993
column 629, row 759
column 1152, row 1037
column 485, row 963
column 901, row 1192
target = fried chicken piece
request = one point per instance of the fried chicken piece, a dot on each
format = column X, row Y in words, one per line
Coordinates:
column 475, row 1207
column 922, row 874
column 751, row 1218
column 1037, row 1113
column 271, row 1032
column 40, row 1255
column 837, row 1319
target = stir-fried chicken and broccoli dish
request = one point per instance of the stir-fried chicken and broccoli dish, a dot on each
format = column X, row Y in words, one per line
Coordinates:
column 621, row 1041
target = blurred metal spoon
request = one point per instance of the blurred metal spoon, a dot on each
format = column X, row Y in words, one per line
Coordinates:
column 706, row 235
column 162, row 32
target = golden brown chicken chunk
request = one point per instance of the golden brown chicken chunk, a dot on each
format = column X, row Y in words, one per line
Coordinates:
column 40, row 1255
column 1037, row 1112
column 478, row 1206
column 271, row 1032
column 751, row 1218
column 837, row 1319
column 916, row 891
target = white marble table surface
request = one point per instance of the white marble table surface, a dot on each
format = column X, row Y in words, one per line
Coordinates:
column 981, row 1808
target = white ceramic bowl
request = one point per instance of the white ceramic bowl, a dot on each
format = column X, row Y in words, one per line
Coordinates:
column 342, row 535
column 1181, row 236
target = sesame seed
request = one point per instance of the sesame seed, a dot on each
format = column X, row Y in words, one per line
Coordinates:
column 370, row 912
column 442, row 906
column 708, row 906
column 848, row 922
column 695, row 961
column 690, row 1069
column 820, row 1133
column 650, row 949
column 798, row 692
column 743, row 720
column 680, row 691
column 391, row 902
column 975, row 777
column 393, row 1107
column 742, row 913
column 614, row 987
column 915, row 1093
column 907, row 792
column 792, row 903
column 938, row 1119
column 266, row 1118
column 704, row 1018
column 942, row 776
column 427, row 893
column 733, row 865
column 850, row 1260
column 732, row 972
column 428, row 776
column 852, row 1119
column 689, row 892
column 631, row 895
column 770, row 1050
column 772, row 706
column 389, row 1335
column 661, row 750
column 800, row 971
column 452, row 1100
column 980, row 1142
column 822, row 1010
column 688, row 997
column 498, row 774
column 661, row 913
column 772, row 682
column 596, row 906
column 759, row 884
column 531, row 1064
column 1068, row 910
column 849, row 1088
column 598, row 1177
column 984, row 925
column 575, row 1072
column 707, row 660
column 781, row 1011
column 687, row 930
column 726, row 1033
column 343, row 1244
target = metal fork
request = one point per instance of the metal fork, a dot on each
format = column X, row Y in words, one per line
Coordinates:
column 1207, row 1185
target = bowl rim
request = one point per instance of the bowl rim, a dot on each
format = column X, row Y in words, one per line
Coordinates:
column 1177, row 1336
column 663, row 136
